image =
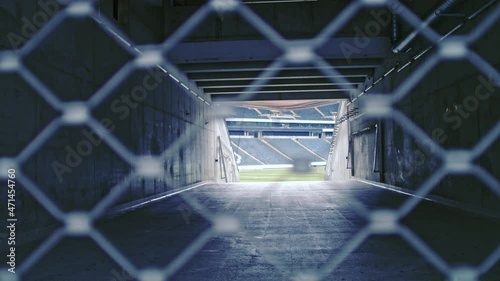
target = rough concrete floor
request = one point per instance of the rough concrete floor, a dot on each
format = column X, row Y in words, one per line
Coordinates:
column 286, row 228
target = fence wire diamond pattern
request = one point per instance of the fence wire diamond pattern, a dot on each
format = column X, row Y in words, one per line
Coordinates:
column 379, row 105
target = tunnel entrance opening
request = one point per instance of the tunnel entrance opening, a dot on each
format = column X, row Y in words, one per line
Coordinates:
column 282, row 140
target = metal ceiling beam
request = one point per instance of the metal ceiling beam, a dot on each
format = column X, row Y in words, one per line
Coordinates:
column 261, row 65
column 207, row 89
column 284, row 74
column 272, row 91
column 263, row 50
column 277, row 88
column 282, row 96
column 279, row 82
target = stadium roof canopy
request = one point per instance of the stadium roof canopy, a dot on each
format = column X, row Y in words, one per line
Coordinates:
column 287, row 104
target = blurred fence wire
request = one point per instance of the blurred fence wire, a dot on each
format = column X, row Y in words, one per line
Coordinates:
column 373, row 105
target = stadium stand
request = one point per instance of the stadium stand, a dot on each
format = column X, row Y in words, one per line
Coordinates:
column 319, row 146
column 282, row 140
column 260, row 150
column 281, row 114
column 242, row 158
column 236, row 132
column 286, row 134
column 308, row 114
column 292, row 149
column 243, row 112
column 328, row 109
column 264, row 112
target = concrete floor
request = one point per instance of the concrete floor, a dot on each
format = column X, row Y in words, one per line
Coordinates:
column 287, row 228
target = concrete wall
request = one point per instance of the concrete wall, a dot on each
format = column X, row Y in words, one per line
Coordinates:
column 337, row 166
column 456, row 105
column 148, row 112
column 226, row 168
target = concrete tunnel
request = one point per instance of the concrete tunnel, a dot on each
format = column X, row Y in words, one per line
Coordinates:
column 118, row 159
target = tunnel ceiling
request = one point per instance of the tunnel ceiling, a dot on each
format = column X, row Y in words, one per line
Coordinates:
column 239, row 63
column 223, row 65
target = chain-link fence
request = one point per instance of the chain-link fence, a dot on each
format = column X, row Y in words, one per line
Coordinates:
column 293, row 52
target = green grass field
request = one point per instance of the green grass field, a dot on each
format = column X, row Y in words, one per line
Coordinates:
column 316, row 174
